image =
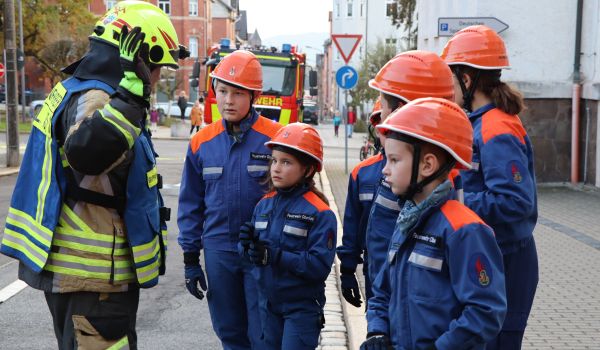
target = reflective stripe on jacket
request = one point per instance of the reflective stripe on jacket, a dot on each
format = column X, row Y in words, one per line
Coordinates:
column 222, row 181
column 83, row 258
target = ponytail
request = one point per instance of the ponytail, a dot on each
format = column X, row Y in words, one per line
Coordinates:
column 506, row 98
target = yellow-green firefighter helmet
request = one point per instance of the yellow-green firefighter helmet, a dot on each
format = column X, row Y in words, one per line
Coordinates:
column 161, row 36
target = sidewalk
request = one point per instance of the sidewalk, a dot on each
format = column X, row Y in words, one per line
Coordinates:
column 566, row 311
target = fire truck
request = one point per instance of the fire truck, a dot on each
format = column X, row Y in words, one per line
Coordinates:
column 283, row 83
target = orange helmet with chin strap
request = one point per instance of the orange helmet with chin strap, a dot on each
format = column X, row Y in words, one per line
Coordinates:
column 242, row 69
column 375, row 117
column 302, row 138
column 415, row 74
column 478, row 47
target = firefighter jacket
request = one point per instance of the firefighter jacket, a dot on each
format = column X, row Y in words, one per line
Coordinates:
column 501, row 187
column 84, row 214
column 380, row 225
column 443, row 279
column 362, row 185
column 300, row 230
column 223, row 179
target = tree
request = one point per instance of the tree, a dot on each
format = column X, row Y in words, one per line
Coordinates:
column 375, row 58
column 55, row 32
column 404, row 14
column 168, row 84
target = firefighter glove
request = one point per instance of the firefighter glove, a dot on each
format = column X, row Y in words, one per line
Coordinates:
column 246, row 235
column 261, row 254
column 194, row 275
column 376, row 341
column 136, row 72
column 350, row 290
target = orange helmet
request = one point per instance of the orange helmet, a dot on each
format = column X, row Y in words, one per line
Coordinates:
column 436, row 121
column 415, row 74
column 302, row 138
column 375, row 117
column 240, row 68
column 476, row 46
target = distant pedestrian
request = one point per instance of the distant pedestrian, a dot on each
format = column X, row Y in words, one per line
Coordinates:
column 153, row 119
column 351, row 121
column 501, row 186
column 182, row 103
column 196, row 115
column 337, row 120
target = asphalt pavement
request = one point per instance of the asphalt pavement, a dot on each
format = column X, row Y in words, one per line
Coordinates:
column 565, row 315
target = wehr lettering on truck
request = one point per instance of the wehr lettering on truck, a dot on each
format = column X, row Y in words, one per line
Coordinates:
column 283, row 83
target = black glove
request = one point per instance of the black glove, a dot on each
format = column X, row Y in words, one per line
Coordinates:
column 136, row 73
column 350, row 290
column 246, row 235
column 376, row 341
column 194, row 275
column 261, row 254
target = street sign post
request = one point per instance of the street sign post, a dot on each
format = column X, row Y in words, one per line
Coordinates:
column 1, row 70
column 346, row 77
column 346, row 44
column 447, row 26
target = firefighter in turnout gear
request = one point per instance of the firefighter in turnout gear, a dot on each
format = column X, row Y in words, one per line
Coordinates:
column 86, row 219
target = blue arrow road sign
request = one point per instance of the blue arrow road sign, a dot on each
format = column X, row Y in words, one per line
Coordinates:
column 346, row 77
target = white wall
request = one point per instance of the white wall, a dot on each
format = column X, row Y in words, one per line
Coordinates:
column 540, row 40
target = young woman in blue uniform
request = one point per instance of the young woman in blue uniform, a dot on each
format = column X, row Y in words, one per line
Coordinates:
column 442, row 284
column 291, row 240
column 501, row 186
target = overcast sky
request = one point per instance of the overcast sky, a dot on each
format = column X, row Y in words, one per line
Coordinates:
column 284, row 17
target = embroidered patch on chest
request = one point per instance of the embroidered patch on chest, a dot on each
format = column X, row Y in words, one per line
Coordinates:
column 260, row 156
column 301, row 217
column 480, row 271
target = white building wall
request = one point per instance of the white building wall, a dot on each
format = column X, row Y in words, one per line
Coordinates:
column 540, row 40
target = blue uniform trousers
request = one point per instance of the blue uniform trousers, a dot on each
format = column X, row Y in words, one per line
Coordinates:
column 521, row 273
column 294, row 326
column 232, row 300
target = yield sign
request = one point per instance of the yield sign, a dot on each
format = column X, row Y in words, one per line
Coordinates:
column 346, row 44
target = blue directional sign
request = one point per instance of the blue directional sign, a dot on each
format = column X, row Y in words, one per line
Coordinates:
column 346, row 77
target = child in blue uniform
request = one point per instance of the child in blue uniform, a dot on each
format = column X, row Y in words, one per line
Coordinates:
column 371, row 207
column 442, row 285
column 501, row 186
column 291, row 240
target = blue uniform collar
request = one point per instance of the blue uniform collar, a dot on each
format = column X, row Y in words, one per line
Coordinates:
column 246, row 123
column 481, row 111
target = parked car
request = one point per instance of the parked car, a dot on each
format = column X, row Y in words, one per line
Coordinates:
column 163, row 109
column 310, row 114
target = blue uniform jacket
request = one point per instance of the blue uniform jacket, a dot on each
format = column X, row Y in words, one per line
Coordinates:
column 442, row 282
column 222, row 181
column 300, row 229
column 501, row 186
column 362, row 185
column 380, row 226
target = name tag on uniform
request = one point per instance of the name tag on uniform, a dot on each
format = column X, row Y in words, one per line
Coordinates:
column 434, row 241
column 301, row 217
column 260, row 156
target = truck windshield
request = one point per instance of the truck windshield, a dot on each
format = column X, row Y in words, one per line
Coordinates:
column 278, row 80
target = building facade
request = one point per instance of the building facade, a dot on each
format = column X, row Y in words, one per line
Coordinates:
column 541, row 43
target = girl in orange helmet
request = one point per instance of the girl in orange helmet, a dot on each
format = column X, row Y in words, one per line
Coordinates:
column 291, row 241
column 501, row 185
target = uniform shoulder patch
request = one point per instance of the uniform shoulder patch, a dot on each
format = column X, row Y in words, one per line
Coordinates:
column 365, row 163
column 479, row 270
column 206, row 134
column 458, row 215
column 317, row 202
column 495, row 123
column 515, row 171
